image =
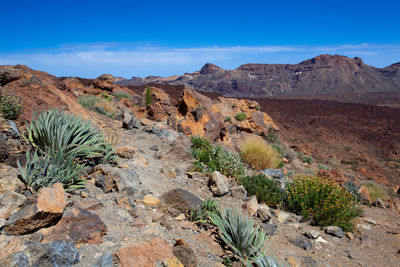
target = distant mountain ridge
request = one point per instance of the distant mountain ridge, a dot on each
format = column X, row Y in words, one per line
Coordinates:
column 324, row 74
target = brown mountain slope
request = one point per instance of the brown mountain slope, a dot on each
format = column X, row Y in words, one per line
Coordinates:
column 325, row 74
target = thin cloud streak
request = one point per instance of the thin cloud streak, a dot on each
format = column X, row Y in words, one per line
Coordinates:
column 142, row 59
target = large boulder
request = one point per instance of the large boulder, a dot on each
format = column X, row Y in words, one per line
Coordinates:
column 110, row 178
column 219, row 184
column 9, row 74
column 37, row 212
column 180, row 200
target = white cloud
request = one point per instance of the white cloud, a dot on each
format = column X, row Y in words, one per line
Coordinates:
column 142, row 59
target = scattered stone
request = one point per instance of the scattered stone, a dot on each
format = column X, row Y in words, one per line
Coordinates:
column 239, row 192
column 90, row 204
column 126, row 152
column 128, row 204
column 150, row 200
column 185, row 255
column 370, row 220
column 335, row 231
column 109, row 178
column 301, row 242
column 283, row 217
column 10, row 183
column 38, row 212
column 130, row 121
column 78, row 226
column 154, row 148
column 350, row 235
column 379, row 203
column 363, row 226
column 270, row 228
column 181, row 201
column 219, row 184
column 366, row 241
column 296, row 226
column 10, row 201
column 57, row 253
column 16, row 259
column 308, row 261
column 321, row 240
column 10, row 246
column 312, row 234
column 142, row 160
column 84, row 194
column 180, row 217
column 251, row 206
column 105, row 260
column 144, row 254
column 169, row 171
column 264, row 213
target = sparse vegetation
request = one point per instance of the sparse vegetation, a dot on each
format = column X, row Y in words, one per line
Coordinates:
column 10, row 104
column 376, row 191
column 305, row 158
column 228, row 119
column 241, row 116
column 210, row 158
column 266, row 190
column 87, row 101
column 323, row 202
column 102, row 104
column 106, row 107
column 259, row 154
column 121, row 94
column 272, row 137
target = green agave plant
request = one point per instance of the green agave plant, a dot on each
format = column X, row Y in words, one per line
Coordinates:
column 54, row 130
column 52, row 167
column 238, row 232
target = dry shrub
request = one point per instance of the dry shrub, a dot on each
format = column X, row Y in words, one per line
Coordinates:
column 258, row 153
column 108, row 106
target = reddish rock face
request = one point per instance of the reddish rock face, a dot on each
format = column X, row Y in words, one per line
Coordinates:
column 144, row 254
column 78, row 226
column 39, row 211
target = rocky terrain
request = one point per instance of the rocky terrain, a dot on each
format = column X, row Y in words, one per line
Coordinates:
column 316, row 77
column 135, row 212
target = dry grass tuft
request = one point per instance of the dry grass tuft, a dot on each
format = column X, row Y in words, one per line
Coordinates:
column 258, row 153
column 108, row 106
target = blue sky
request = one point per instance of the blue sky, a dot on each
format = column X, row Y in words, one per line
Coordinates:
column 140, row 38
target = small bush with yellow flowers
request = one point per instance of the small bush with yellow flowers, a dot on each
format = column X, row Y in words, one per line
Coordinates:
column 323, row 201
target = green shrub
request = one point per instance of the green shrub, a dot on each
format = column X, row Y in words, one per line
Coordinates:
column 272, row 137
column 10, row 104
column 148, row 96
column 324, row 167
column 352, row 188
column 87, row 101
column 305, row 158
column 121, row 94
column 228, row 119
column 106, row 97
column 323, row 202
column 202, row 215
column 237, row 231
column 53, row 130
column 241, row 116
column 211, row 158
column 50, row 169
column 267, row 190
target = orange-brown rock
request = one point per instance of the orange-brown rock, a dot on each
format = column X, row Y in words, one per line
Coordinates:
column 9, row 245
column 126, row 151
column 78, row 226
column 39, row 211
column 144, row 254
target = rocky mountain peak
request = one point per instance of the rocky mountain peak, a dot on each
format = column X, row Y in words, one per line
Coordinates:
column 210, row 68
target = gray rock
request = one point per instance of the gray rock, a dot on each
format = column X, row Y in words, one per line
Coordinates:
column 312, row 234
column 130, row 121
column 335, row 231
column 301, row 242
column 219, row 184
column 10, row 201
column 239, row 192
column 308, row 261
column 283, row 217
column 167, row 135
column 274, row 173
column 185, row 255
column 379, row 203
column 57, row 253
column 14, row 129
column 270, row 228
column 251, row 206
column 180, row 201
column 154, row 147
column 264, row 213
column 366, row 241
column 104, row 260
column 108, row 177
